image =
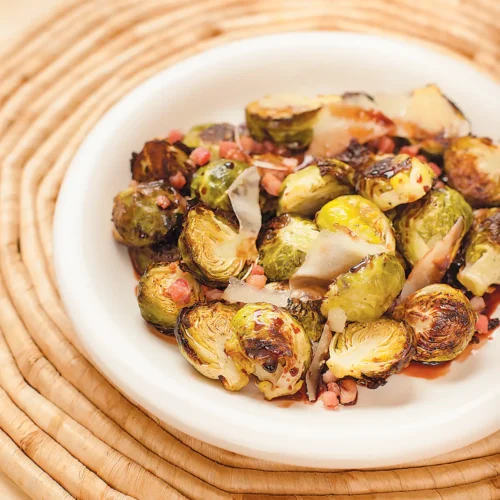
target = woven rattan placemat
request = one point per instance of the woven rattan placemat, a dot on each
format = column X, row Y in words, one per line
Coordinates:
column 64, row 430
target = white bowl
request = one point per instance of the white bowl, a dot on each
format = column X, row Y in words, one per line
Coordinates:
column 406, row 420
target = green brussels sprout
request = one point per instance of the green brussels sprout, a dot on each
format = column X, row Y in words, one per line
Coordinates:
column 146, row 213
column 367, row 290
column 154, row 295
column 283, row 245
column 286, row 120
column 371, row 352
column 308, row 314
column 202, row 332
column 443, row 321
column 209, row 135
column 423, row 223
column 394, row 180
column 203, row 232
column 360, row 216
column 306, row 191
column 159, row 160
column 276, row 344
column 210, row 183
column 472, row 165
column 482, row 254
column 143, row 257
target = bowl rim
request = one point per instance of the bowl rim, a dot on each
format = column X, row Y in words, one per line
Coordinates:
column 382, row 450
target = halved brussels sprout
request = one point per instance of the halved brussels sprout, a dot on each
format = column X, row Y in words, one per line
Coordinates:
column 159, row 160
column 210, row 183
column 367, row 290
column 443, row 321
column 277, row 346
column 286, row 120
column 361, row 216
column 202, row 332
column 394, row 180
column 154, row 295
column 423, row 223
column 209, row 135
column 371, row 352
column 308, row 314
column 356, row 155
column 482, row 255
column 284, row 244
column 473, row 168
column 143, row 257
column 146, row 213
column 203, row 233
column 306, row 191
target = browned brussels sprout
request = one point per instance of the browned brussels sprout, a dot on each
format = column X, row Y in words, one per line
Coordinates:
column 209, row 135
column 146, row 213
column 143, row 257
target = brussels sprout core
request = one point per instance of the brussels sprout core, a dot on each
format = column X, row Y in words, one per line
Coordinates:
column 443, row 320
column 277, row 346
column 371, row 352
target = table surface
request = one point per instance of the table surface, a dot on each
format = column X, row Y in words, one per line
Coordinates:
column 15, row 17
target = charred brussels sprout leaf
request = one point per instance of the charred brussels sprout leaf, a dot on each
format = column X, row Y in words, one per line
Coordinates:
column 357, row 156
column 371, row 352
column 203, row 234
column 308, row 314
column 394, row 180
column 306, row 191
column 284, row 244
column 154, row 295
column 159, row 160
column 360, row 216
column 473, row 168
column 367, row 290
column 277, row 346
column 146, row 213
column 209, row 135
column 210, row 183
column 482, row 255
column 443, row 321
column 202, row 332
column 423, row 223
column 286, row 120
column 143, row 257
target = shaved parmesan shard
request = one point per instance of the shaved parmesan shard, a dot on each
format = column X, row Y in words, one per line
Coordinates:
column 331, row 253
column 244, row 196
column 354, row 116
column 240, row 291
column 432, row 266
column 423, row 114
column 314, row 372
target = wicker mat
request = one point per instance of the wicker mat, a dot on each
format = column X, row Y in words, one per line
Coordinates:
column 65, row 432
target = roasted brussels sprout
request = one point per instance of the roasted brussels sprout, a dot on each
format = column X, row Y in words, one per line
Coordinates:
column 308, row 314
column 482, row 255
column 210, row 183
column 203, row 233
column 284, row 244
column 157, row 306
column 306, row 191
column 443, row 321
column 146, row 213
column 160, row 160
column 356, row 155
column 361, row 216
column 371, row 352
column 277, row 346
column 143, row 257
column 423, row 223
column 367, row 290
column 286, row 120
column 202, row 331
column 472, row 165
column 209, row 135
column 394, row 180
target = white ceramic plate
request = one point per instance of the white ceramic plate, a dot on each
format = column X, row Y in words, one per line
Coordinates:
column 406, row 420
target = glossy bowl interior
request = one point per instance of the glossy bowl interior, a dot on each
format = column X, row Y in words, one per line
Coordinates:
column 409, row 418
